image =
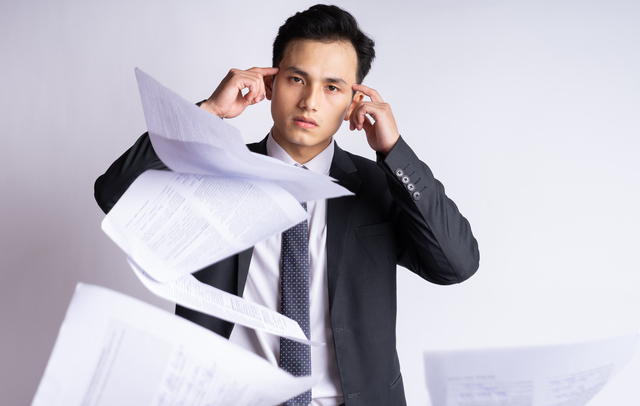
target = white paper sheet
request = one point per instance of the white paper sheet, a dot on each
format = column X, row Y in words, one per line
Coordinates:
column 173, row 224
column 190, row 140
column 559, row 375
column 116, row 350
column 191, row 293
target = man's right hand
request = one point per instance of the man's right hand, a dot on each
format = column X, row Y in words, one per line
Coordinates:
column 227, row 100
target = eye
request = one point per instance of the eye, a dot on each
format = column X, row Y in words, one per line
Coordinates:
column 296, row 79
column 332, row 88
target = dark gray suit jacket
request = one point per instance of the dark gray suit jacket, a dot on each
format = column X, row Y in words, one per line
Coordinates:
column 383, row 224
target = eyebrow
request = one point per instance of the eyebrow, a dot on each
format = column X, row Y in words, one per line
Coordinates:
column 300, row 72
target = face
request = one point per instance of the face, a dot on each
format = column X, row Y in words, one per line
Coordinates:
column 311, row 95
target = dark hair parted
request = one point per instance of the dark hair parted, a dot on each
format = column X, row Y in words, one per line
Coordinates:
column 326, row 24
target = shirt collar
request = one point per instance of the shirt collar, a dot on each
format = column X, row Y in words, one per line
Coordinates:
column 321, row 163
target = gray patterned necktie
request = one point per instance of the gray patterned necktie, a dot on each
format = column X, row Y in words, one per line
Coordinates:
column 295, row 357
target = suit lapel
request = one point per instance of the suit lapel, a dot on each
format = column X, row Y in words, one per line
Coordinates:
column 339, row 212
column 259, row 147
column 244, row 259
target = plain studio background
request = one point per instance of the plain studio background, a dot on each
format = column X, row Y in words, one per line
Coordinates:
column 527, row 111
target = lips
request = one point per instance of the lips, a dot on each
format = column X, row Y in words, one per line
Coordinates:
column 305, row 122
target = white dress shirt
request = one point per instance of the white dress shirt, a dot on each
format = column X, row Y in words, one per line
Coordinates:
column 263, row 287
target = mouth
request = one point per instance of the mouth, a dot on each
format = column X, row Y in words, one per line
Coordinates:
column 305, row 122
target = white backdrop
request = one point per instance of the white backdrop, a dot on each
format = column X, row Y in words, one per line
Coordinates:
column 527, row 111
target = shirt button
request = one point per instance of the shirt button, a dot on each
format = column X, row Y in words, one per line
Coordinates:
column 416, row 195
column 399, row 173
column 411, row 187
column 405, row 179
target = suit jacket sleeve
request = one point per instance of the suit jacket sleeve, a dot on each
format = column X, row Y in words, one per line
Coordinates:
column 434, row 239
column 116, row 180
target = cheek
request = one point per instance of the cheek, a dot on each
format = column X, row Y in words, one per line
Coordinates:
column 336, row 120
column 283, row 99
column 341, row 111
column 278, row 104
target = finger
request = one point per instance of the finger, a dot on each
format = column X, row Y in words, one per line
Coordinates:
column 372, row 93
column 367, row 124
column 353, row 118
column 358, row 116
column 264, row 71
column 362, row 111
column 360, row 121
column 253, row 80
column 256, row 92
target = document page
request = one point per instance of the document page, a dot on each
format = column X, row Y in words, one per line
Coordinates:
column 190, row 292
column 190, row 140
column 172, row 224
column 558, row 375
column 116, row 350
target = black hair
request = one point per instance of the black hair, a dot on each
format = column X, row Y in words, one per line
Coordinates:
column 326, row 24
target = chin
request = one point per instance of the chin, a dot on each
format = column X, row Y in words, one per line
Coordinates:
column 301, row 139
column 307, row 142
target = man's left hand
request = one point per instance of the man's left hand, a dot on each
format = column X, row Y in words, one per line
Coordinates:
column 382, row 134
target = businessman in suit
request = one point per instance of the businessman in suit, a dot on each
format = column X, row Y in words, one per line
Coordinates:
column 398, row 213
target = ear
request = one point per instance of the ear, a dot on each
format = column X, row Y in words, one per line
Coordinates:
column 357, row 98
column 268, row 85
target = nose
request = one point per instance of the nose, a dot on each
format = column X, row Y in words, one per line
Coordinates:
column 310, row 99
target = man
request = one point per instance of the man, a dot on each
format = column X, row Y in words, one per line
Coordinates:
column 398, row 214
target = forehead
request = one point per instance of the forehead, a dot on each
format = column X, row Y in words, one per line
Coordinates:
column 322, row 59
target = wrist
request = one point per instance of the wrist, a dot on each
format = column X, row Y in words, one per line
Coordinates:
column 386, row 149
column 209, row 107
